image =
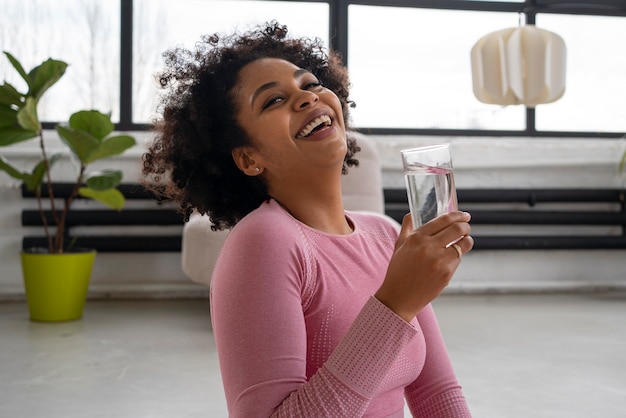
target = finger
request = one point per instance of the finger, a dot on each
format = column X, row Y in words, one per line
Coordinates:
column 457, row 249
column 453, row 233
column 443, row 221
column 407, row 228
column 466, row 244
column 463, row 245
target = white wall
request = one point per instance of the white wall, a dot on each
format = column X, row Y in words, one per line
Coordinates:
column 520, row 163
column 479, row 162
column 114, row 275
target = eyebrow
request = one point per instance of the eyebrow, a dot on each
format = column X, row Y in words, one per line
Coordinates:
column 297, row 74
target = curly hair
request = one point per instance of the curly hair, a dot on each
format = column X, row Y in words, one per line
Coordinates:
column 189, row 160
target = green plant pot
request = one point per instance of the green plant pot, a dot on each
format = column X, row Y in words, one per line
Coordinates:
column 56, row 284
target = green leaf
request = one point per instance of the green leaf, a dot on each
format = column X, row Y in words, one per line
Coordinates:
column 27, row 116
column 45, row 76
column 113, row 198
column 112, row 146
column 16, row 64
column 11, row 170
column 94, row 122
column 33, row 181
column 81, row 143
column 10, row 96
column 8, row 116
column 104, row 180
column 13, row 134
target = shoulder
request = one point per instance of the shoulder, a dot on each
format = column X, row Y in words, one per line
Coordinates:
column 267, row 218
column 375, row 223
column 264, row 252
column 268, row 224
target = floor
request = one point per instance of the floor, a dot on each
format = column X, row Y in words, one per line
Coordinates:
column 532, row 355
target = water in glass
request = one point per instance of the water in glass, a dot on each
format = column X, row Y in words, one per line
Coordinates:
column 431, row 192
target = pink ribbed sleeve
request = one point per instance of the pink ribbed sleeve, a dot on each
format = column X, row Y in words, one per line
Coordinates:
column 299, row 334
column 435, row 393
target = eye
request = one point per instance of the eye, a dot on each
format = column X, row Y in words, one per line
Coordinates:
column 311, row 85
column 272, row 101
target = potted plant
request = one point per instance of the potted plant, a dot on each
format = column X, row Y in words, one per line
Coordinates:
column 52, row 293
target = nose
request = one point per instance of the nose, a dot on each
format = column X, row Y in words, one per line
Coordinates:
column 306, row 99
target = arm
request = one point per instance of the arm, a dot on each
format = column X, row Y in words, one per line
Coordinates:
column 350, row 378
column 436, row 392
column 421, row 267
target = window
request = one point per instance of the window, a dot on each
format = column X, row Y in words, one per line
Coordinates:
column 411, row 68
column 595, row 92
column 85, row 34
column 162, row 24
column 409, row 60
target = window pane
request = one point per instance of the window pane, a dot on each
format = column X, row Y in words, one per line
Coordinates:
column 162, row 24
column 411, row 68
column 595, row 86
column 83, row 33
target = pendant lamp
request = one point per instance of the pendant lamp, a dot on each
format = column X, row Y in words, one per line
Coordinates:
column 523, row 65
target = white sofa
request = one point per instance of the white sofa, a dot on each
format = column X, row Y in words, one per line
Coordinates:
column 361, row 188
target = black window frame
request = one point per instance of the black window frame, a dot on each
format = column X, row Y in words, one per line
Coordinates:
column 338, row 26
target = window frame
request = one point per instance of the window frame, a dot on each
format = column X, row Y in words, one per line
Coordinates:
column 338, row 24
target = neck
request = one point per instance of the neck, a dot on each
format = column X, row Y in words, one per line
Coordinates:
column 317, row 204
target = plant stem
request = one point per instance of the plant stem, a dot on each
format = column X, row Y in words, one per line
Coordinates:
column 51, row 247
column 43, row 218
column 60, row 236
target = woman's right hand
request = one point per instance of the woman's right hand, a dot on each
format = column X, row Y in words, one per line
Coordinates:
column 423, row 262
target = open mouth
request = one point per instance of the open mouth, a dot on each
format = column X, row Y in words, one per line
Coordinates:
column 314, row 126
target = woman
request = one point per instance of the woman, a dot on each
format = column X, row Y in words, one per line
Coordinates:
column 316, row 311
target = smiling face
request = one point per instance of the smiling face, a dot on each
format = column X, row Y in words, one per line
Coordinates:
column 295, row 124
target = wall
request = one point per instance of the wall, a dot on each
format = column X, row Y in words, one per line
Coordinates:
column 114, row 275
column 520, row 163
column 479, row 162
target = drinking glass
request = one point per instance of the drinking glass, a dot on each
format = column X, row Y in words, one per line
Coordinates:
column 429, row 178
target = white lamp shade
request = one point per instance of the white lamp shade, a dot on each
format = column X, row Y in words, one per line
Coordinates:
column 523, row 65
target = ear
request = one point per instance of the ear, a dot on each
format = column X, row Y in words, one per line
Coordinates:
column 245, row 161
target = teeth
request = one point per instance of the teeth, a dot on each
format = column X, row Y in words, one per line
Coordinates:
column 324, row 119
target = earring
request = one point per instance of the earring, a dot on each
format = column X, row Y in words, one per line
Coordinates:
column 257, row 169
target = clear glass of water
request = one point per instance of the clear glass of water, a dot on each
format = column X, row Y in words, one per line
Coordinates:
column 429, row 178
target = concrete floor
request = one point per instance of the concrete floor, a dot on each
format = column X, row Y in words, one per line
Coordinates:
column 532, row 355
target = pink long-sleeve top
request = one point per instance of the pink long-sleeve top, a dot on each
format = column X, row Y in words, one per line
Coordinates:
column 299, row 333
